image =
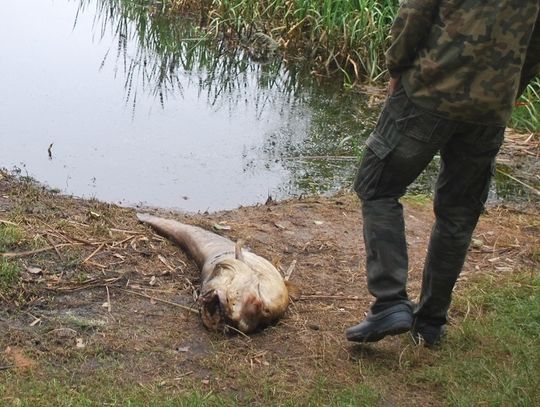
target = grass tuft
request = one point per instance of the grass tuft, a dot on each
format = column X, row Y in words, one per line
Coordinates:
column 9, row 274
column 9, row 236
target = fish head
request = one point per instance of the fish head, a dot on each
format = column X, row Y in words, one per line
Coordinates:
column 231, row 298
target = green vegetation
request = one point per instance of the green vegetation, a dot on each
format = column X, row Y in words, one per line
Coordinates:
column 101, row 390
column 493, row 358
column 9, row 271
column 349, row 36
column 9, row 274
column 331, row 36
column 526, row 115
column 217, row 37
column 9, row 236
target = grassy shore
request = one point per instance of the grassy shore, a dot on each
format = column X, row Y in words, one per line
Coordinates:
column 83, row 320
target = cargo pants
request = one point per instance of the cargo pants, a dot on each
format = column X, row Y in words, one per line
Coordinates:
column 403, row 143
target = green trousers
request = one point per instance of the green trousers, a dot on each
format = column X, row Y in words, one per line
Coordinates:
column 403, row 143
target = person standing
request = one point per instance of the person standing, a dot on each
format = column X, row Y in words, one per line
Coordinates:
column 456, row 67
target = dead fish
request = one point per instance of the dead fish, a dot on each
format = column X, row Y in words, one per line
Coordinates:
column 239, row 288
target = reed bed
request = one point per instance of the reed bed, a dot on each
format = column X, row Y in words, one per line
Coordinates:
column 331, row 35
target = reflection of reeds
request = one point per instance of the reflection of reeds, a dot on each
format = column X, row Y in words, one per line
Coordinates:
column 163, row 53
column 349, row 36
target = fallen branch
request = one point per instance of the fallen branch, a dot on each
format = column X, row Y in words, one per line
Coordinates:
column 108, row 299
column 323, row 157
column 6, row 367
column 54, row 247
column 89, row 284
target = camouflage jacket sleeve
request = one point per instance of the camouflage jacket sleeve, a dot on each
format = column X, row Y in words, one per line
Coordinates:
column 531, row 67
column 410, row 28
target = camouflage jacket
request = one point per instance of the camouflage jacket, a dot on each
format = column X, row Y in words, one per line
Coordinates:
column 466, row 59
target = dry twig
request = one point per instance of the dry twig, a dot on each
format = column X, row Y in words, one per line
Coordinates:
column 533, row 189
column 94, row 252
column 159, row 300
column 32, row 252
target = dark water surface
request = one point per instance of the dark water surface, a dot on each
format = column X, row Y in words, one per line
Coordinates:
column 139, row 110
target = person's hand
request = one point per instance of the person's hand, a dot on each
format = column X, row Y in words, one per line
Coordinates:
column 393, row 85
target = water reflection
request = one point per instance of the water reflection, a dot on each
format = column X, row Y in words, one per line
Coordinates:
column 153, row 50
column 321, row 127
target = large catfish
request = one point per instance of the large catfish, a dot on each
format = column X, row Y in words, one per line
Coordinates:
column 239, row 288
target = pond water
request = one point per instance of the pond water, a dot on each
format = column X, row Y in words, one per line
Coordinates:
column 102, row 99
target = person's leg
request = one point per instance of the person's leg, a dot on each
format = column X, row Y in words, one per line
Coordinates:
column 403, row 143
column 467, row 163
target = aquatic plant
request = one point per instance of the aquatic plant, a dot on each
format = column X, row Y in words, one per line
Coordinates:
column 345, row 36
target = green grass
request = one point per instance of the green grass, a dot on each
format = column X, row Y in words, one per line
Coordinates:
column 346, row 36
column 28, row 390
column 490, row 357
column 9, row 274
column 9, row 236
column 526, row 115
column 493, row 358
column 34, row 391
column 9, row 270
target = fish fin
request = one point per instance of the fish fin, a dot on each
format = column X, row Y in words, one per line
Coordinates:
column 238, row 250
column 276, row 262
column 294, row 291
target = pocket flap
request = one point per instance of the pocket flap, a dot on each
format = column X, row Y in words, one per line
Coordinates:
column 383, row 145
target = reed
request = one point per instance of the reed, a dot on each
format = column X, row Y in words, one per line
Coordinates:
column 526, row 115
column 326, row 36
column 331, row 35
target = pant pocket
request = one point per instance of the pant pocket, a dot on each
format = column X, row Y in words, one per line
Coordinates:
column 368, row 175
column 385, row 137
column 379, row 145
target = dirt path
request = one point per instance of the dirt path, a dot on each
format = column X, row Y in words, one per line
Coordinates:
column 83, row 306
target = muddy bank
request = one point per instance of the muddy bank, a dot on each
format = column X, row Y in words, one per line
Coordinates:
column 99, row 292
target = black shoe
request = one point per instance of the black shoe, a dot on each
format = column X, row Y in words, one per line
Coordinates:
column 394, row 320
column 424, row 333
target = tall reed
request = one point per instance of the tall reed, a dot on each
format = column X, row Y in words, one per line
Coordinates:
column 526, row 115
column 333, row 35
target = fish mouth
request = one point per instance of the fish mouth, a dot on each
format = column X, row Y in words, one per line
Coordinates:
column 214, row 312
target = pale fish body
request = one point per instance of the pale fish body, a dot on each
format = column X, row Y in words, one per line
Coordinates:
column 239, row 288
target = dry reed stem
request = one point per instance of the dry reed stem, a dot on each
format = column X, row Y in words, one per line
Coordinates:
column 7, row 222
